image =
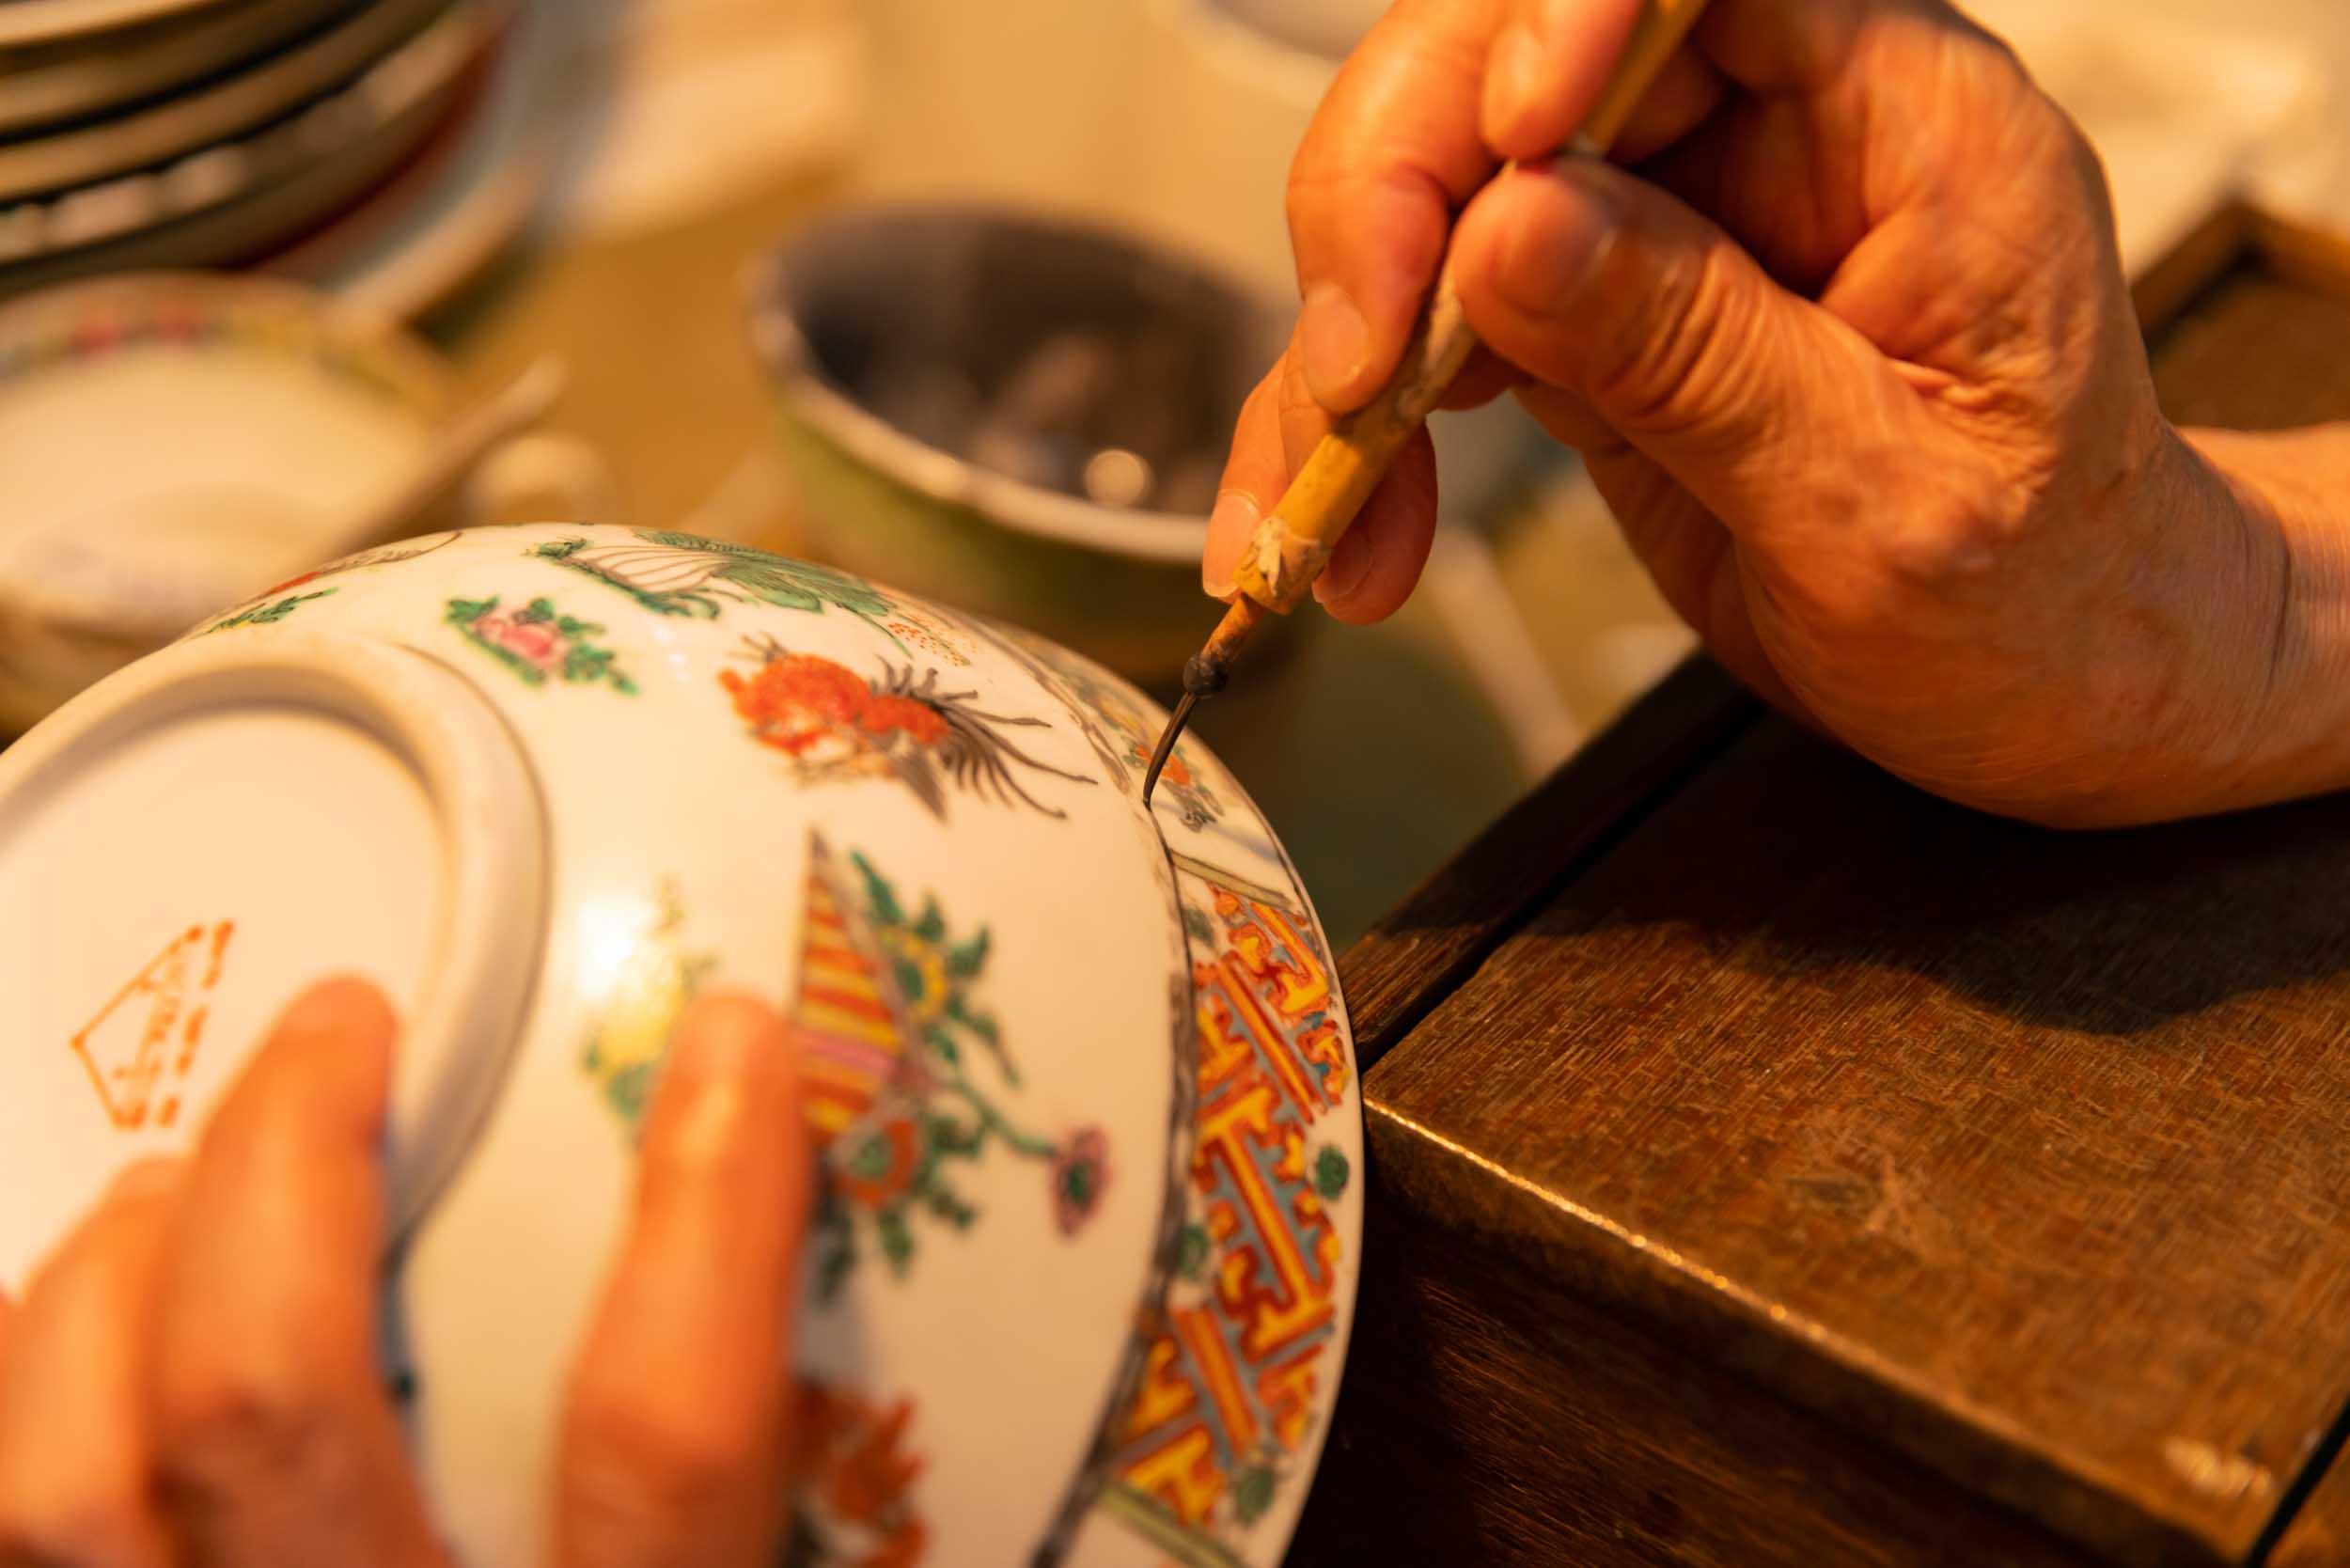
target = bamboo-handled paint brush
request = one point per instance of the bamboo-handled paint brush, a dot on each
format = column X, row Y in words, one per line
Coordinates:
column 1293, row 544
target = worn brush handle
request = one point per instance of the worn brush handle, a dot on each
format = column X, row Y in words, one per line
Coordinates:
column 1655, row 38
column 1291, row 545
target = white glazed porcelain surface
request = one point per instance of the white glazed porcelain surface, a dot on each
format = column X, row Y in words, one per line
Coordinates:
column 1079, row 1074
column 209, row 798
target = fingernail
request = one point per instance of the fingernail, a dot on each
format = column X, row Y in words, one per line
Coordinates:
column 703, row 1105
column 1235, row 518
column 1555, row 248
column 1350, row 563
column 1333, row 341
column 332, row 1007
column 1514, row 80
column 730, row 1083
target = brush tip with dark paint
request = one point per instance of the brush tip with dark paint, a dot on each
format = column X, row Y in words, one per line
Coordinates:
column 1166, row 747
column 1204, row 675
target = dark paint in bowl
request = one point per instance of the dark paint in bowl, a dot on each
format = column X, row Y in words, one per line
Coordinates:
column 1022, row 415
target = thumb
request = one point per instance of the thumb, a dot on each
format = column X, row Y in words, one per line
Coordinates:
column 1606, row 286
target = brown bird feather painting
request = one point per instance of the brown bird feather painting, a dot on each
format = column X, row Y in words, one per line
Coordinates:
column 836, row 726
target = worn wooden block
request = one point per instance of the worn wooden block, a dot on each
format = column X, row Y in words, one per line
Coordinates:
column 1774, row 1164
column 1509, row 1422
column 2317, row 1534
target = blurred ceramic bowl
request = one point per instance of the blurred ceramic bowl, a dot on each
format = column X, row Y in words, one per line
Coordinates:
column 1016, row 414
column 173, row 442
column 1078, row 1075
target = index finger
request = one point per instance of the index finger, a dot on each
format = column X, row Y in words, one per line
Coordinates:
column 1392, row 154
column 675, row 1442
column 276, row 1441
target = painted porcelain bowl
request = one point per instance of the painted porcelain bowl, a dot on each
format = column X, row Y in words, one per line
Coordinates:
column 1078, row 1072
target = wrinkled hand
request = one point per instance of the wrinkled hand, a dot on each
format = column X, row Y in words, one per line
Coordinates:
column 193, row 1378
column 1848, row 350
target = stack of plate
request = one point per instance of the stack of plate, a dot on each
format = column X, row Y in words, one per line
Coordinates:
column 184, row 133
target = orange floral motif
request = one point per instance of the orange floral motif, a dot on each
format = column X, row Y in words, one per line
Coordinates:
column 802, row 705
column 835, row 724
column 856, row 1485
column 881, row 1169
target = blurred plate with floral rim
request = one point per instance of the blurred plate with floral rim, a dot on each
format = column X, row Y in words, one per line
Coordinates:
column 174, row 441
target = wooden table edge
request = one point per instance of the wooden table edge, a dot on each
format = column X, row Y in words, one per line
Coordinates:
column 1419, row 952
column 1676, row 1301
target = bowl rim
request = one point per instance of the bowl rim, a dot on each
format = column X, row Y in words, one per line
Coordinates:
column 413, row 368
column 1160, row 536
column 287, row 318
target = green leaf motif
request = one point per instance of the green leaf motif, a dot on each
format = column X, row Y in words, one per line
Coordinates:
column 896, row 1240
column 1331, row 1173
column 1252, row 1492
column 953, row 1210
column 949, row 1137
column 982, row 1026
column 748, row 565
column 629, row 1090
column 909, row 979
column 268, row 614
column 870, row 1159
column 964, row 959
column 833, row 1263
column 1077, row 1184
column 575, row 660
column 732, row 570
column 790, row 596
column 879, row 894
